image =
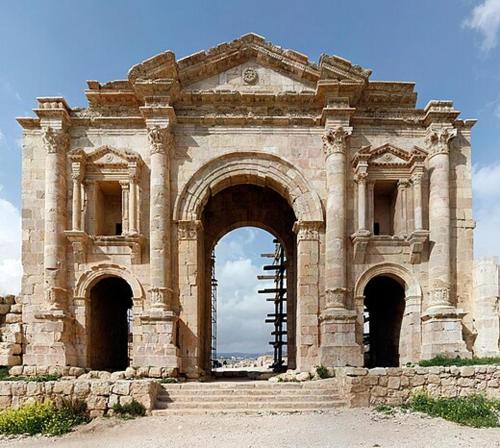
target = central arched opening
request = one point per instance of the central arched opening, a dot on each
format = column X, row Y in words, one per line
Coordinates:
column 384, row 309
column 110, row 324
column 262, row 216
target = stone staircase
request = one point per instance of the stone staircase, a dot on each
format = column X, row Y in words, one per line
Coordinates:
column 247, row 397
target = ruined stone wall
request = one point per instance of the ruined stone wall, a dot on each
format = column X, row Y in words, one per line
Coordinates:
column 365, row 387
column 100, row 395
column 11, row 335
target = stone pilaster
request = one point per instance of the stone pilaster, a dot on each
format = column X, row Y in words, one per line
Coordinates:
column 442, row 327
column 308, row 292
column 191, row 270
column 50, row 335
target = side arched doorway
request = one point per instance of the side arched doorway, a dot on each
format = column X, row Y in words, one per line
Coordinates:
column 383, row 311
column 109, row 324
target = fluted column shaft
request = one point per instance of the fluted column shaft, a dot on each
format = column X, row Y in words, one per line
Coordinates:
column 417, row 201
column 361, row 179
column 334, row 145
column 56, row 143
column 439, row 217
column 161, row 142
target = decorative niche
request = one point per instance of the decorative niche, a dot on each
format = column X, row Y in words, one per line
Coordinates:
column 106, row 203
column 389, row 201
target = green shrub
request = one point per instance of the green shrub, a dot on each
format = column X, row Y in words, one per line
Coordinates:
column 322, row 372
column 169, row 380
column 385, row 409
column 4, row 372
column 132, row 409
column 474, row 410
column 446, row 362
column 43, row 418
column 35, row 378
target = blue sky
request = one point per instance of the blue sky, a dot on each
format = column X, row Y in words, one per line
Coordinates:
column 448, row 47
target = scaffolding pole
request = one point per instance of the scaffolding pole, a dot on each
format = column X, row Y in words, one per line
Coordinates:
column 213, row 283
column 279, row 298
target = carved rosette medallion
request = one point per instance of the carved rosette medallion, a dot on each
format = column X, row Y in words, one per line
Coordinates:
column 335, row 140
column 55, row 141
column 250, row 76
column 438, row 141
column 160, row 139
column 335, row 298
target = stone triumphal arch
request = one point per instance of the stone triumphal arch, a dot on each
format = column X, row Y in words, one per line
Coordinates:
column 124, row 200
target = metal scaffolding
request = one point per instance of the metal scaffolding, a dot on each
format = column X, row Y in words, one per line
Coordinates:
column 279, row 317
column 213, row 283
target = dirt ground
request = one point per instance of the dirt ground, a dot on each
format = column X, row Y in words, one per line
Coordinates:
column 338, row 429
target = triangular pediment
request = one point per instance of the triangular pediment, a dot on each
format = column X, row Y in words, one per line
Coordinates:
column 251, row 76
column 224, row 66
column 105, row 155
column 389, row 155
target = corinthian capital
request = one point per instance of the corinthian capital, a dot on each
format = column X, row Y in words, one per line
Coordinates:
column 160, row 139
column 335, row 140
column 55, row 141
column 438, row 140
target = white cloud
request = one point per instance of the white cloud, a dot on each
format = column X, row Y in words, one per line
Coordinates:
column 10, row 248
column 486, row 189
column 485, row 18
column 241, row 309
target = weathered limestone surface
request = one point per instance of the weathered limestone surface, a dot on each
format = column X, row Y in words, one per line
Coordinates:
column 127, row 188
column 487, row 307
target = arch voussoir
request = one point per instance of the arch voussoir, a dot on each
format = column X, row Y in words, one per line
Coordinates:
column 252, row 167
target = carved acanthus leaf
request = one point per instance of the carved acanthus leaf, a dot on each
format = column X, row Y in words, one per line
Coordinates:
column 55, row 141
column 160, row 139
column 335, row 140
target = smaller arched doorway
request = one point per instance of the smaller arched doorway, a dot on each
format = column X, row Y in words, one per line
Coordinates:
column 110, row 324
column 384, row 308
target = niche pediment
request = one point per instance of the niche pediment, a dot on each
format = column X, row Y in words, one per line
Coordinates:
column 389, row 155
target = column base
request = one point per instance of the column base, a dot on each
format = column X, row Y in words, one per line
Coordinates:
column 338, row 339
column 50, row 343
column 442, row 333
column 154, row 341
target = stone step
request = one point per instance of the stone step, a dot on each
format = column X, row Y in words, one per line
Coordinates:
column 257, row 385
column 260, row 393
column 244, row 398
column 165, row 412
column 253, row 406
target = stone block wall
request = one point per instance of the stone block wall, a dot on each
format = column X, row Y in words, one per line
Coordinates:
column 393, row 386
column 11, row 336
column 100, row 395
